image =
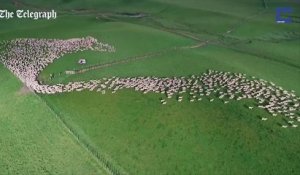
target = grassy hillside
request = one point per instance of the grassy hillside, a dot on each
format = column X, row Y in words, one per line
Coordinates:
column 33, row 140
column 134, row 132
column 145, row 137
column 128, row 39
column 187, row 62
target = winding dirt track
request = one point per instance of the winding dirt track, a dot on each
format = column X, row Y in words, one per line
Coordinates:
column 139, row 57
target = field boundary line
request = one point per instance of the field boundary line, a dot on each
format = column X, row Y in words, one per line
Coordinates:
column 273, row 59
column 99, row 158
column 138, row 57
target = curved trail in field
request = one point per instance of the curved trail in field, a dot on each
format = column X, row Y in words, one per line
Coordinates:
column 138, row 58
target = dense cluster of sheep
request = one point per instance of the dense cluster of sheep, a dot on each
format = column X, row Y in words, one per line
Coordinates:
column 26, row 58
column 225, row 86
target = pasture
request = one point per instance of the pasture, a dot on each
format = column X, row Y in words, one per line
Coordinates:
column 33, row 140
column 133, row 131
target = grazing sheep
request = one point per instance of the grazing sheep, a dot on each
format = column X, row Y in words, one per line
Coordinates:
column 17, row 56
column 264, row 118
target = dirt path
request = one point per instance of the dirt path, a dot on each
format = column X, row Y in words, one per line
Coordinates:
column 139, row 57
column 24, row 90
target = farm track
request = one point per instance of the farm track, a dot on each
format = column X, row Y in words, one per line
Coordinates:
column 139, row 57
column 281, row 61
column 183, row 33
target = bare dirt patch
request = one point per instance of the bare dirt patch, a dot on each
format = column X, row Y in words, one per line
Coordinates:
column 24, row 90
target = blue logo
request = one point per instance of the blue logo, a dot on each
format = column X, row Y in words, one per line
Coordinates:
column 283, row 11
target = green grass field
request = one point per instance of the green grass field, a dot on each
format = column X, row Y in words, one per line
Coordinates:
column 180, row 138
column 33, row 140
column 133, row 131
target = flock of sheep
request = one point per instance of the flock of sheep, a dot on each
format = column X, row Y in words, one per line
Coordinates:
column 26, row 58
